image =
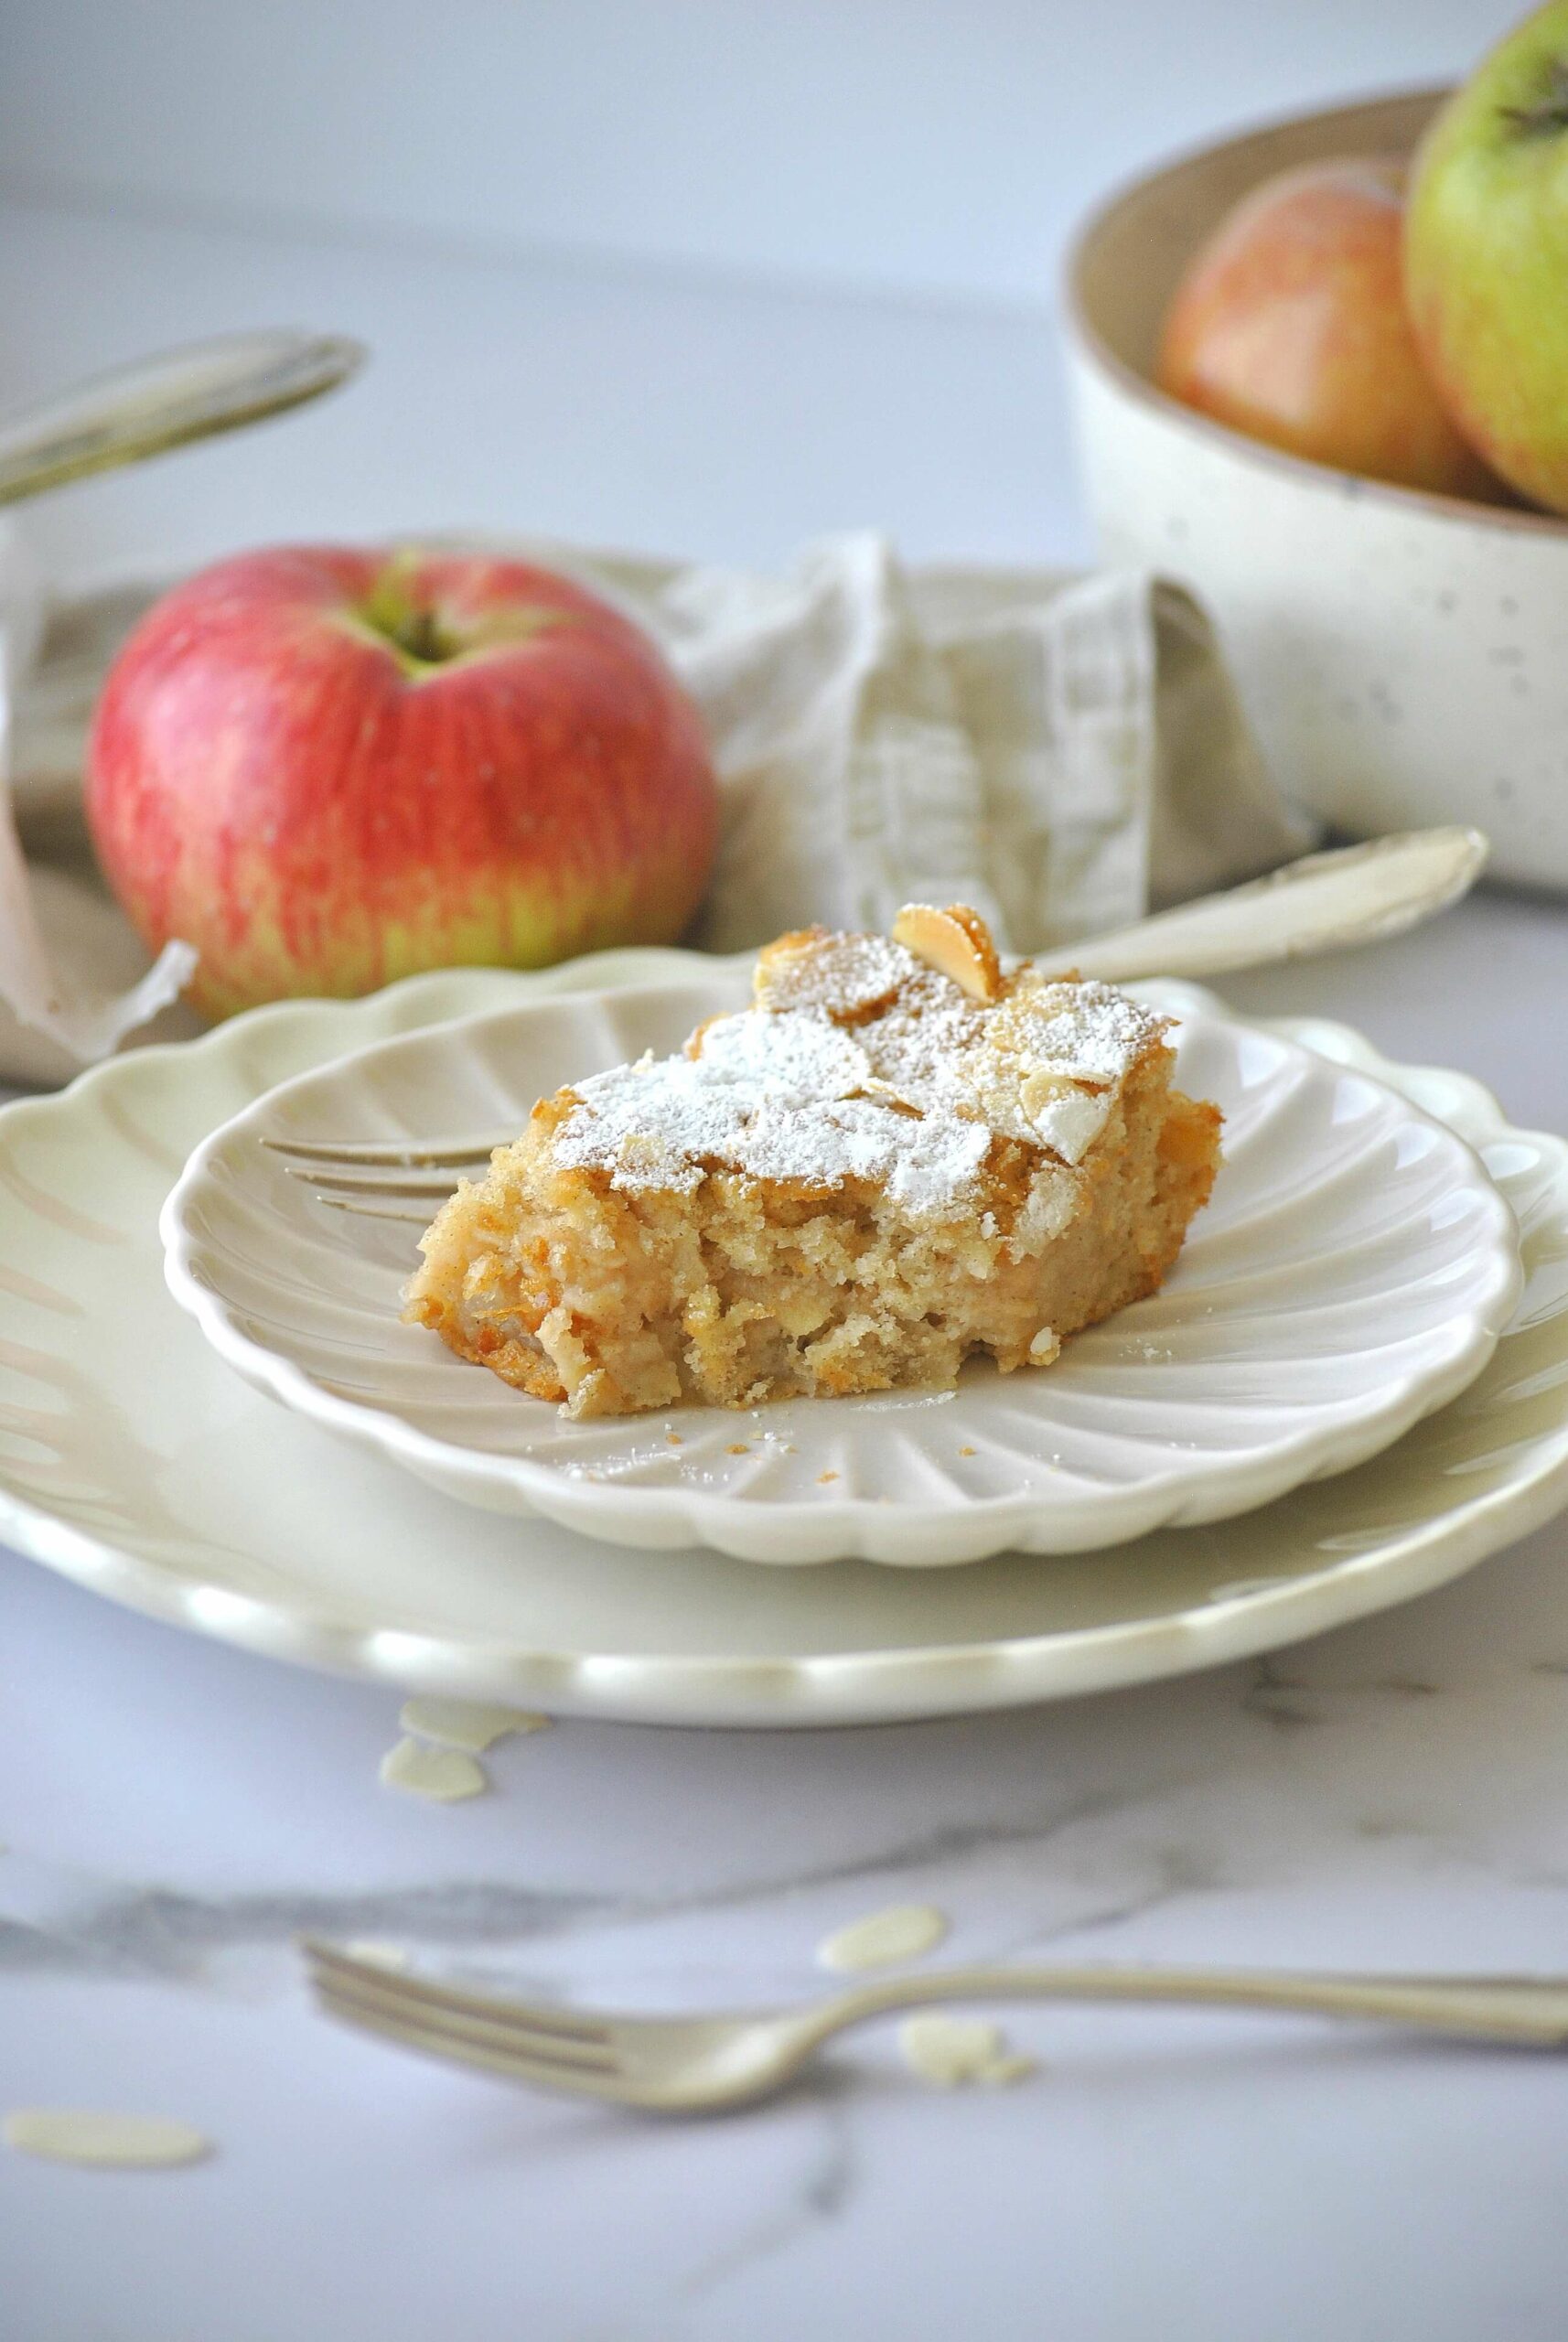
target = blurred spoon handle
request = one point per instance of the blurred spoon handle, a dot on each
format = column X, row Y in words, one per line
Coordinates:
column 163, row 402
column 1325, row 902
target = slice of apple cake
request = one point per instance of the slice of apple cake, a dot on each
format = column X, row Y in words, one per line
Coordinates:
column 899, row 1155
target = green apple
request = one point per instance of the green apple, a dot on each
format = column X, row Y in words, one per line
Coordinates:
column 1487, row 257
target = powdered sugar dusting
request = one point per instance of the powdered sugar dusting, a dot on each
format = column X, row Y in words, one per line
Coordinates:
column 844, row 977
column 802, row 1059
column 863, row 1064
column 1090, row 1030
column 1042, row 1064
column 770, row 1095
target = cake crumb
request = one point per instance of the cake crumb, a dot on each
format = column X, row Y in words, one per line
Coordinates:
column 968, row 1451
column 870, row 1093
column 737, row 1447
column 673, row 1439
column 824, row 1477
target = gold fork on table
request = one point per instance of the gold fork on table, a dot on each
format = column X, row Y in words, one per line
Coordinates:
column 685, row 2064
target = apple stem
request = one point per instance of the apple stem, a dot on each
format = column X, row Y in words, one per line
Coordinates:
column 1550, row 111
column 418, row 634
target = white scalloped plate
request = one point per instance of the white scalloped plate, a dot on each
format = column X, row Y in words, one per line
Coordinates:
column 1351, row 1274
column 134, row 1462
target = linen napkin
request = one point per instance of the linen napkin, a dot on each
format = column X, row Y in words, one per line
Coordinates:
column 1063, row 753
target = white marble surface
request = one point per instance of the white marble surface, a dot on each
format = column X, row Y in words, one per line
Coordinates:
column 1396, row 1793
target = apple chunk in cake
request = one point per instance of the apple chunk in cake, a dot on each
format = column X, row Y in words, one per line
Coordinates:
column 898, row 1155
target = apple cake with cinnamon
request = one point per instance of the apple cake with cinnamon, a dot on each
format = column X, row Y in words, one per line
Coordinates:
column 900, row 1155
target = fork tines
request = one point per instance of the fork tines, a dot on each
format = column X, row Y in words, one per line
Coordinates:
column 504, row 2037
column 389, row 1153
column 365, row 1184
column 358, row 1175
column 363, row 1210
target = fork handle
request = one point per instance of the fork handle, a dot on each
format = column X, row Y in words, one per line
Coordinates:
column 1524, row 2009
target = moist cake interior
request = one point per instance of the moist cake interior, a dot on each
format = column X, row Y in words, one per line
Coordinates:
column 898, row 1156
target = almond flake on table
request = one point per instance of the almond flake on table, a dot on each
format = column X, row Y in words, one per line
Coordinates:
column 1011, row 2067
column 471, row 1724
column 103, row 2141
column 951, row 2051
column 442, row 1775
column 882, row 1938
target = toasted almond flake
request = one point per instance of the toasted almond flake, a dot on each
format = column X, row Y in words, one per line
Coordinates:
column 105, row 2141
column 1038, row 1091
column 471, row 1724
column 442, row 1775
column 956, row 942
column 882, row 1938
column 1045, row 1347
column 1069, row 1120
column 844, row 977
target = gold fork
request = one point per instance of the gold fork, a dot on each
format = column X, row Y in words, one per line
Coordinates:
column 698, row 2065
column 352, row 1176
column 1324, row 902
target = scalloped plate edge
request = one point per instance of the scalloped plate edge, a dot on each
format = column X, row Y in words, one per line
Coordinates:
column 828, row 1689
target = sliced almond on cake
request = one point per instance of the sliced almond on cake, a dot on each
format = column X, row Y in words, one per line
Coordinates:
column 956, row 942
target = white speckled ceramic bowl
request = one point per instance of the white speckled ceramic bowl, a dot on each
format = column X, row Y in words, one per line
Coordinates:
column 1403, row 657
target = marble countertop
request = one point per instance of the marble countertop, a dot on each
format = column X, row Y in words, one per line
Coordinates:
column 1394, row 1794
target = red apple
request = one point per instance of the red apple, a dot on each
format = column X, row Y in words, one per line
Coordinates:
column 1290, row 325
column 326, row 769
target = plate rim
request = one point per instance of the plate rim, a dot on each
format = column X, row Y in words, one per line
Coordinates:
column 897, row 1682
column 1185, row 1492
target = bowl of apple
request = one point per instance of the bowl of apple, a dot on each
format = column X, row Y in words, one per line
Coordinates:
column 1320, row 375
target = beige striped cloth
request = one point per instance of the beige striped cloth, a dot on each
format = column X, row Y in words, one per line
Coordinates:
column 1062, row 752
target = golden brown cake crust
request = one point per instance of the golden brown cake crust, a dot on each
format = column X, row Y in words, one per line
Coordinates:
column 855, row 1185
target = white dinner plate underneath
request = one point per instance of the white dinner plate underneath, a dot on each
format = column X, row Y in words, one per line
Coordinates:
column 133, row 1460
column 1351, row 1273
